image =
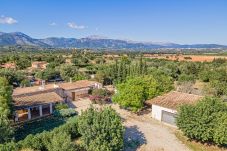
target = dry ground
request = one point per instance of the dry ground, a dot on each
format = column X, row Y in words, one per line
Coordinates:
column 193, row 58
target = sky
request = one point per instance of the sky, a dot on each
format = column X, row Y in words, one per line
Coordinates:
column 178, row 21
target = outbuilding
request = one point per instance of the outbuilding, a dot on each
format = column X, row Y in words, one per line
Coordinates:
column 164, row 108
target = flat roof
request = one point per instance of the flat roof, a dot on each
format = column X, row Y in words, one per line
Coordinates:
column 174, row 99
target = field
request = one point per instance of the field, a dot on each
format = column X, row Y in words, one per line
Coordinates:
column 177, row 57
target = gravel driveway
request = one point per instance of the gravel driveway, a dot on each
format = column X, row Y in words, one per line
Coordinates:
column 150, row 134
column 142, row 132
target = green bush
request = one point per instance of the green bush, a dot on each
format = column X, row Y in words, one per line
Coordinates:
column 101, row 130
column 61, row 106
column 57, row 139
column 220, row 132
column 186, row 78
column 61, row 142
column 199, row 121
column 64, row 112
column 135, row 91
column 8, row 147
column 38, row 126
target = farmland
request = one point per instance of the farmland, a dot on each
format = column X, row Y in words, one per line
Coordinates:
column 182, row 57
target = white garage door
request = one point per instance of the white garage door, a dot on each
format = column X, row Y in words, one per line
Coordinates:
column 169, row 118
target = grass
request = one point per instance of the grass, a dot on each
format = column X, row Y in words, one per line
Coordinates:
column 37, row 126
column 197, row 146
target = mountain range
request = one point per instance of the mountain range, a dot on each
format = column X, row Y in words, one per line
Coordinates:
column 96, row 42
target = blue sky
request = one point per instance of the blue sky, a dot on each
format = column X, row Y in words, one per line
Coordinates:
column 179, row 21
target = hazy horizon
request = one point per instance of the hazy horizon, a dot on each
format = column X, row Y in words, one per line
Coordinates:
column 181, row 22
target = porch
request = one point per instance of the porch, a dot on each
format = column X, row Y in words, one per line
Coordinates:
column 33, row 112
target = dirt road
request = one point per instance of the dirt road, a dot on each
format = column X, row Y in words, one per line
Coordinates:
column 142, row 132
column 150, row 134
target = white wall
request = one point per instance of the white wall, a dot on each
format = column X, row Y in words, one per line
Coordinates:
column 157, row 112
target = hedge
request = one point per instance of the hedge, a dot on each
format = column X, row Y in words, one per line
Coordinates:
column 44, row 140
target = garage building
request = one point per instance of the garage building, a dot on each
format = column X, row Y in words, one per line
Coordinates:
column 164, row 108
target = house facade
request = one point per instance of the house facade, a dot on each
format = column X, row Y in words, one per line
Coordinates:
column 164, row 108
column 38, row 101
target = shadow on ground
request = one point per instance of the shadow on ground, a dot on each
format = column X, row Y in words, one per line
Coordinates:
column 134, row 138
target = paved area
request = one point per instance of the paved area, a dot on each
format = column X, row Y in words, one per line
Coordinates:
column 142, row 132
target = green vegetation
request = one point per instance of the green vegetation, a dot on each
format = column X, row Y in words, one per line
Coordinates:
column 5, row 110
column 101, row 130
column 197, row 146
column 38, row 126
column 65, row 112
column 205, row 121
column 98, row 130
column 100, row 96
column 135, row 91
column 136, row 79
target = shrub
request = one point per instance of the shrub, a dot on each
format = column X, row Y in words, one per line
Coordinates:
column 6, row 131
column 38, row 126
column 8, row 147
column 71, row 127
column 220, row 132
column 35, row 142
column 100, row 96
column 61, row 106
column 64, row 112
column 61, row 141
column 186, row 78
column 199, row 121
column 101, row 130
column 58, row 139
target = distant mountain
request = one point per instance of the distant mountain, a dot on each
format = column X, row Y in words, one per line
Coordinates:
column 18, row 38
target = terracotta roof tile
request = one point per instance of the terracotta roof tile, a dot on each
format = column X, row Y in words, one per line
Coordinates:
column 174, row 99
column 37, row 99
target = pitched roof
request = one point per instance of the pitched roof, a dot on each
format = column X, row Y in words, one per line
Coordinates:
column 174, row 99
column 33, row 89
column 66, row 86
column 36, row 99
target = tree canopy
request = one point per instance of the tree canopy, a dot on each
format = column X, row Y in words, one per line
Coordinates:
column 101, row 130
column 135, row 91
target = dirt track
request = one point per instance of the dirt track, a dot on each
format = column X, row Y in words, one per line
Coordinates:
column 148, row 134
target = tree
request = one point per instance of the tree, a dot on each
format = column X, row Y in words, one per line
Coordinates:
column 199, row 121
column 68, row 71
column 135, row 91
column 5, row 97
column 47, row 74
column 5, row 129
column 5, row 110
column 220, row 132
column 101, row 130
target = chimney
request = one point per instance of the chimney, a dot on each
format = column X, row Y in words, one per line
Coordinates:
column 42, row 87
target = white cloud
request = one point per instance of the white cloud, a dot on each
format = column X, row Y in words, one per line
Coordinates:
column 75, row 26
column 53, row 24
column 7, row 20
